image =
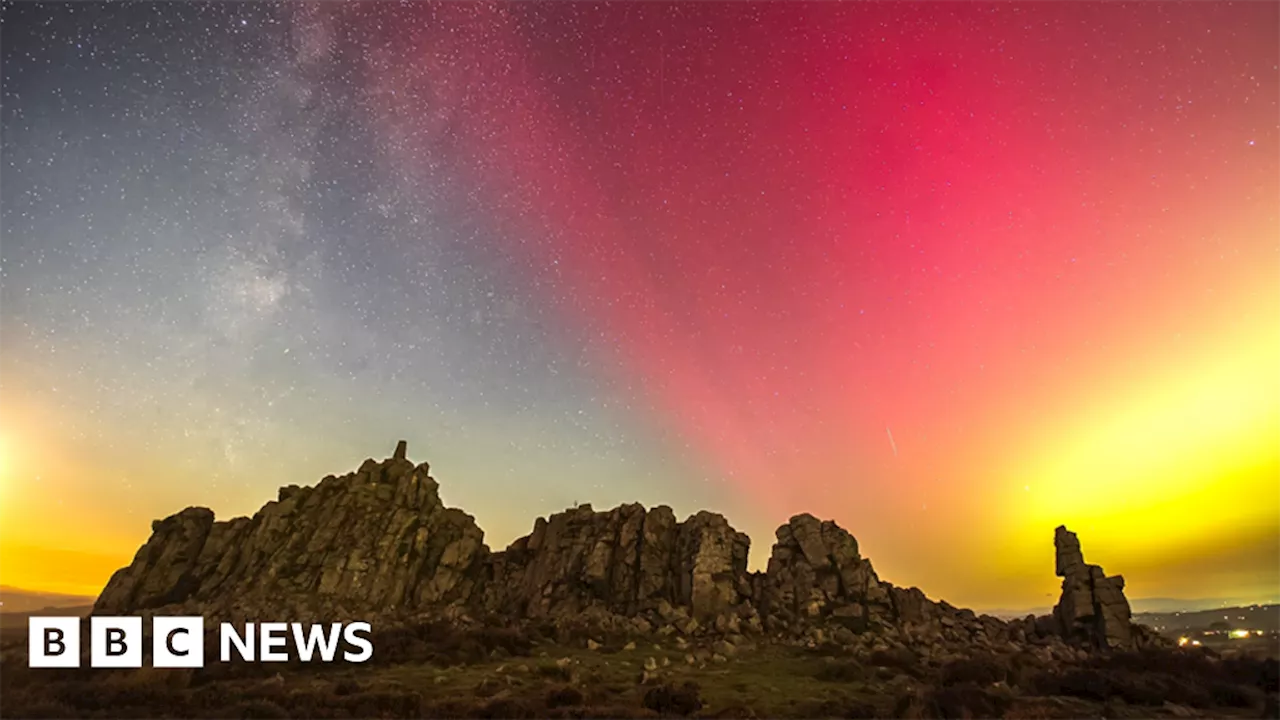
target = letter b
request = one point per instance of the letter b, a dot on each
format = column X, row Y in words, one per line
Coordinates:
column 53, row 642
column 115, row 642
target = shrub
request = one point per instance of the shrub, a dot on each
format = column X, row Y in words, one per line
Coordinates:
column 1087, row 684
column 1031, row 712
column 450, row 708
column 733, row 712
column 565, row 696
column 113, row 698
column 1262, row 674
column 613, row 712
column 507, row 641
column 840, row 671
column 1024, row 669
column 842, row 708
column 346, row 686
column 443, row 644
column 978, row 670
column 42, row 710
column 1224, row 694
column 1179, row 663
column 1149, row 689
column 967, row 701
column 488, row 687
column 255, row 710
column 899, row 658
column 507, row 708
column 555, row 672
column 1139, row 689
column 860, row 711
column 385, row 704
column 670, row 700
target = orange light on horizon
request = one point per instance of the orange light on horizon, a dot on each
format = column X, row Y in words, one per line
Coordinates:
column 4, row 457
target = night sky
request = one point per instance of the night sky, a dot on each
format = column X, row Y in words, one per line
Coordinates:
column 950, row 274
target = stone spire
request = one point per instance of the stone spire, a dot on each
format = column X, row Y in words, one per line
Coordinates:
column 1093, row 607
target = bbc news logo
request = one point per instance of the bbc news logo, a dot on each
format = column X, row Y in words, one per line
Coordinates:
column 178, row 642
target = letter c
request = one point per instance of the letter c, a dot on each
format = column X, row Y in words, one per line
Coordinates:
column 168, row 642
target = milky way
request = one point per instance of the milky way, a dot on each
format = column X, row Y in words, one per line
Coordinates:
column 949, row 274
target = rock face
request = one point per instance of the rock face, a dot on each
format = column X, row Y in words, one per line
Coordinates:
column 624, row 560
column 379, row 543
column 1093, row 607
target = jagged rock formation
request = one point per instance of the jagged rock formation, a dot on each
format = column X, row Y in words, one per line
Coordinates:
column 1093, row 607
column 815, row 571
column 379, row 543
column 378, row 538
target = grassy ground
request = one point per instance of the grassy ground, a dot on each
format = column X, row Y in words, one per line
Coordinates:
column 772, row 681
column 503, row 676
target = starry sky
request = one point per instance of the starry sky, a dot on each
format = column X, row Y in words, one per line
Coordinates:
column 950, row 274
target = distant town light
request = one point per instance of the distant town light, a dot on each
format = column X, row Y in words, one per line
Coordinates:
column 1239, row 633
column 1182, row 641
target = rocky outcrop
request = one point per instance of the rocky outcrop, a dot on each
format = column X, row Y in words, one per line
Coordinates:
column 379, row 543
column 377, row 539
column 1093, row 608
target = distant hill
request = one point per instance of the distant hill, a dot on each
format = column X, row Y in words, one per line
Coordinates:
column 16, row 600
column 1248, row 617
column 1171, row 605
column 1007, row 614
column 13, row 625
column 1149, row 606
column 18, row 605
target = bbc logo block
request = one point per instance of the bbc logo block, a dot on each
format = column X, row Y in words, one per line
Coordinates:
column 178, row 642
column 115, row 642
column 53, row 642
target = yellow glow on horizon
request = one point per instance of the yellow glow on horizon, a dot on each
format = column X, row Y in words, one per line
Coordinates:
column 5, row 465
column 55, row 570
column 1187, row 457
column 56, row 533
